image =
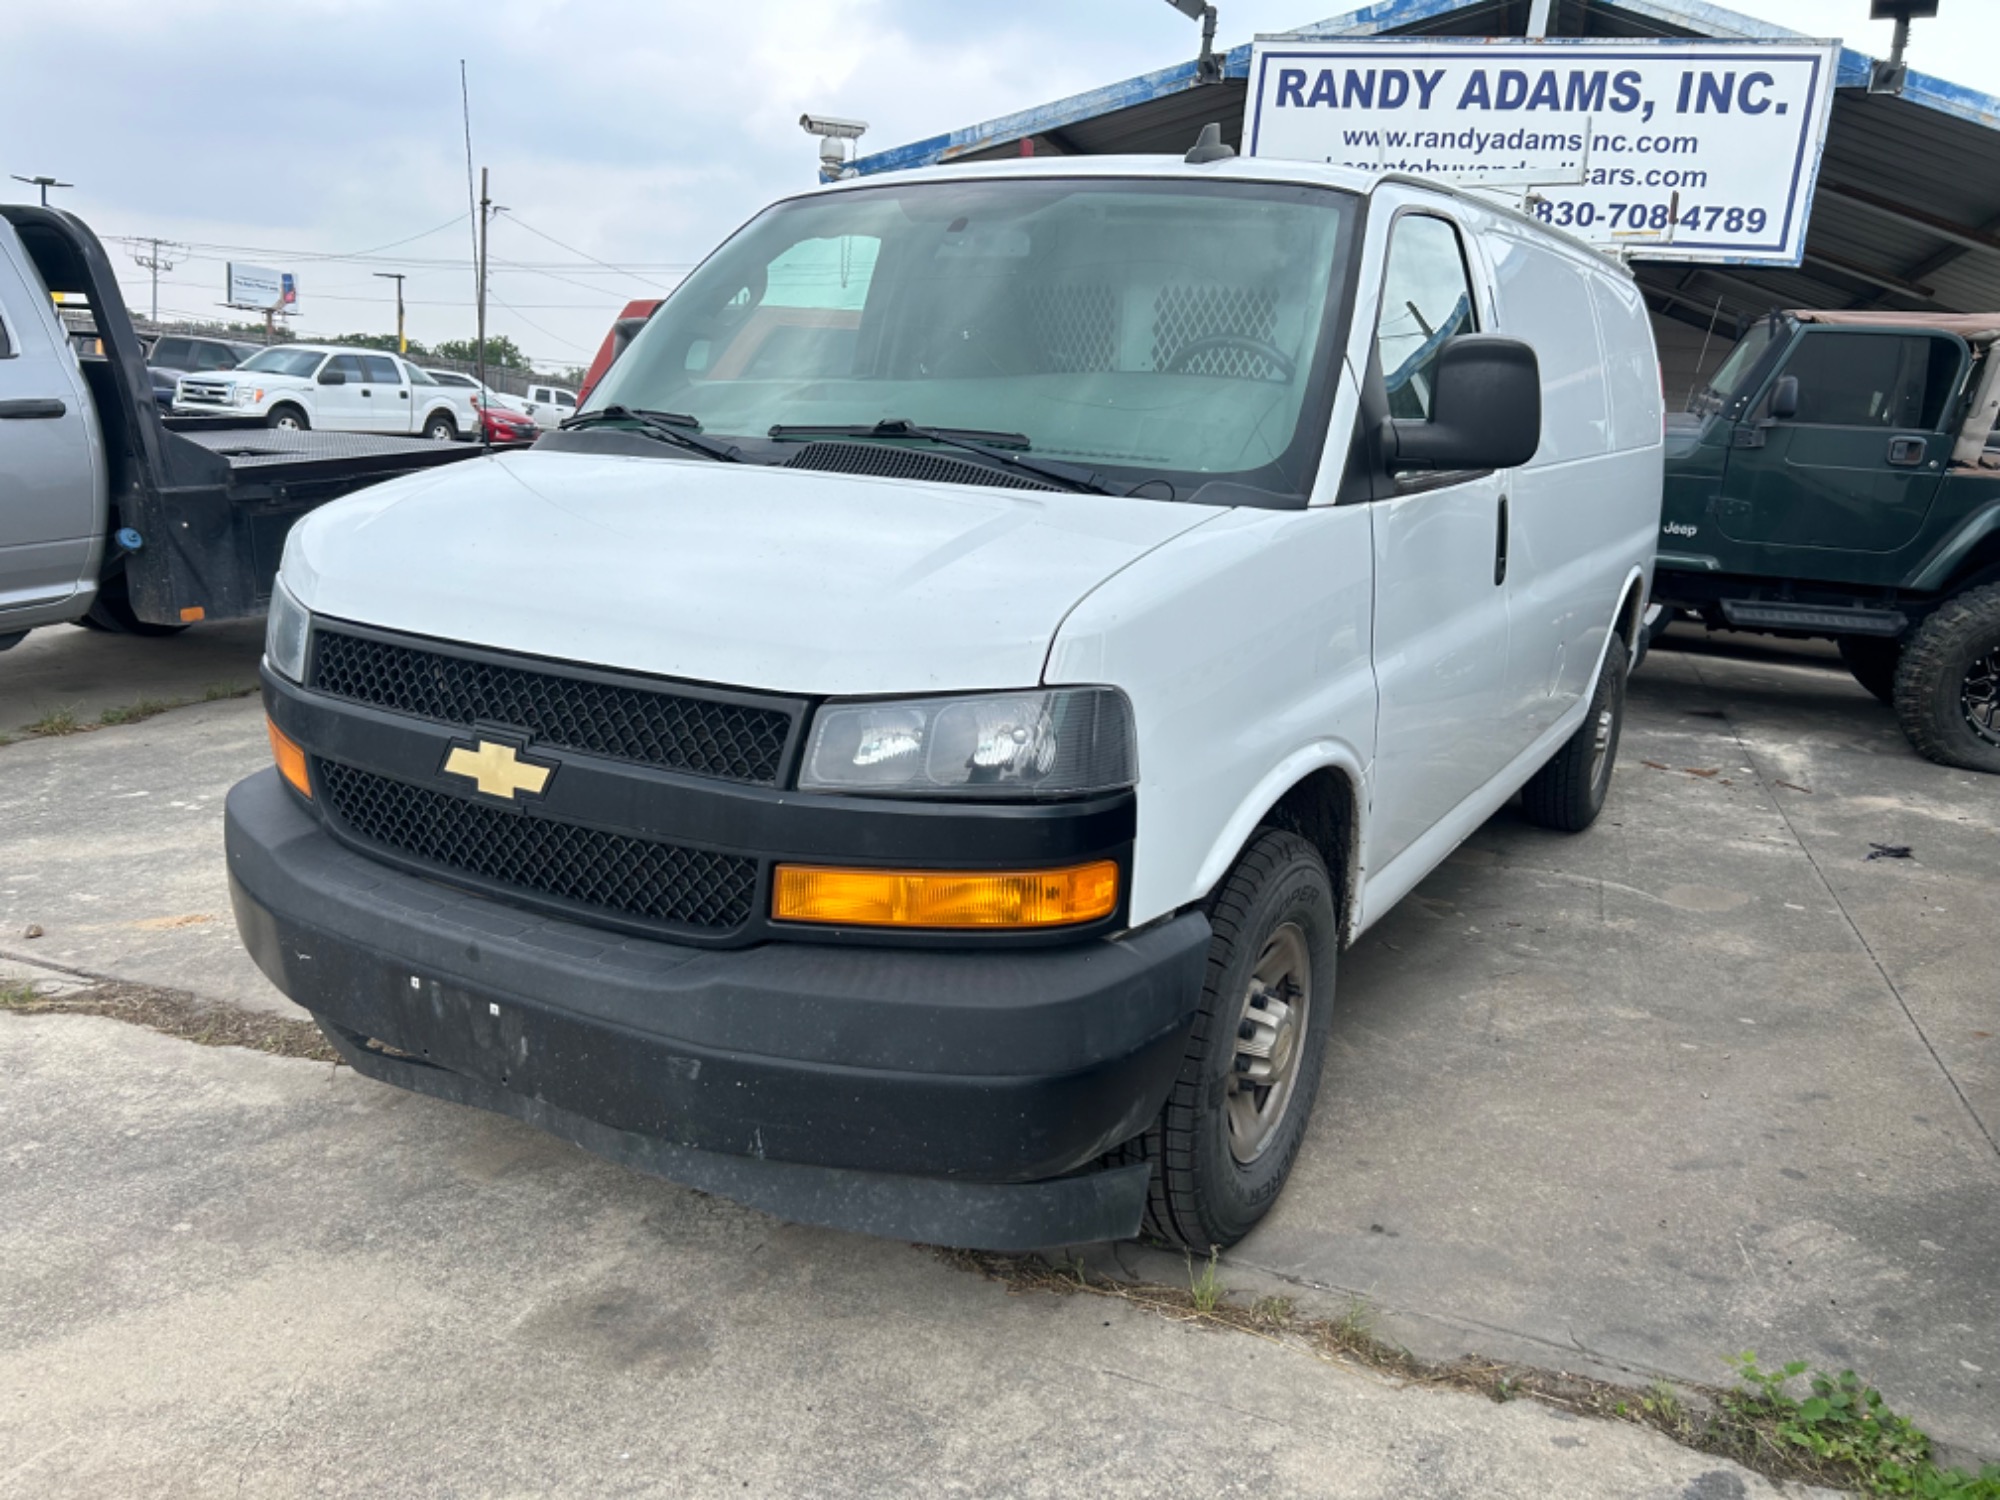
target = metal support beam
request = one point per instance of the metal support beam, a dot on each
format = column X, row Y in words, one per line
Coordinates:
column 1538, row 19
column 1875, row 278
column 1959, row 234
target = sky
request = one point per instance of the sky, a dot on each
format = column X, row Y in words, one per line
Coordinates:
column 624, row 138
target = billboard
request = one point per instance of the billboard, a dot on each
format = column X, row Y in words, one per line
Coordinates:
column 261, row 289
column 1676, row 150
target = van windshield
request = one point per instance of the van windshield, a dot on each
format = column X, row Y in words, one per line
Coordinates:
column 1145, row 329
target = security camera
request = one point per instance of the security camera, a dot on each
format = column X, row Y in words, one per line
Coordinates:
column 832, row 128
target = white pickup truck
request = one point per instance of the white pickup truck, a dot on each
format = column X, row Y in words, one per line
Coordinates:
column 295, row 387
column 910, row 752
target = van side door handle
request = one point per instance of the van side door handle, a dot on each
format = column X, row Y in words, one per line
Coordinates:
column 32, row 409
column 1500, row 548
column 1907, row 452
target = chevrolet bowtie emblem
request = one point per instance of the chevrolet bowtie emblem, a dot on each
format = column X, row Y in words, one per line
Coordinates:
column 497, row 770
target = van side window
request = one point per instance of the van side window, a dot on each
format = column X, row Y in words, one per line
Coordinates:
column 1426, row 299
column 1873, row 379
column 6, row 344
column 345, row 364
column 379, row 369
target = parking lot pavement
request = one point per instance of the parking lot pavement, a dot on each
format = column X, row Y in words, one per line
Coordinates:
column 1704, row 1079
column 66, row 669
column 231, row 1273
column 111, row 846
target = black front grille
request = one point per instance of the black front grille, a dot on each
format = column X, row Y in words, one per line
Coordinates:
column 678, row 731
column 637, row 879
column 893, row 462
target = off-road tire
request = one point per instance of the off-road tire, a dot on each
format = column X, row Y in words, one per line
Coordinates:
column 277, row 415
column 1201, row 1197
column 1568, row 793
column 1872, row 659
column 439, row 428
column 1933, row 679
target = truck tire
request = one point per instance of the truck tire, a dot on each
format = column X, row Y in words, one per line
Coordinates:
column 440, row 428
column 1223, row 1145
column 1872, row 659
column 1948, row 684
column 287, row 418
column 1568, row 793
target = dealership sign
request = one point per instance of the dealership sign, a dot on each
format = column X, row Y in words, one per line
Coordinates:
column 1675, row 150
column 261, row 289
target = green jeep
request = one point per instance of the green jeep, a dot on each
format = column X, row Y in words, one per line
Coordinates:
column 1834, row 479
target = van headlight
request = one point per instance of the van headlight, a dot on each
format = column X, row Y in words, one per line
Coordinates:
column 285, row 635
column 1058, row 742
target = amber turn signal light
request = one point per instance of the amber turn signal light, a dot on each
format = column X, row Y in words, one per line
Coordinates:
column 945, row 898
column 291, row 760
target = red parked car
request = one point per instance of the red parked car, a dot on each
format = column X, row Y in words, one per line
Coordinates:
column 503, row 427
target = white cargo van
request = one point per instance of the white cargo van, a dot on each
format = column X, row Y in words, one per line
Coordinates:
column 910, row 752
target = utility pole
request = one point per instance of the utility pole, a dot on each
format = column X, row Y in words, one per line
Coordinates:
column 156, row 263
column 485, row 217
column 44, row 183
column 402, row 344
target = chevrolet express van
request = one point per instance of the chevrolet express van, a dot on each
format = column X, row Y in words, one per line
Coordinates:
column 909, row 753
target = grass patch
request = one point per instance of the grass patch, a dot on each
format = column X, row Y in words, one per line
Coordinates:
column 57, row 721
column 133, row 713
column 1842, row 1432
column 1841, row 1435
column 178, row 1014
column 215, row 692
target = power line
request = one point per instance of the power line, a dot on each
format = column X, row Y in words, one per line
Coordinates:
column 523, row 223
column 538, row 327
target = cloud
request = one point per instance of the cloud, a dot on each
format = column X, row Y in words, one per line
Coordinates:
column 640, row 133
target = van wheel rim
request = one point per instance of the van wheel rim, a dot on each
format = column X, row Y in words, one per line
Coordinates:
column 1979, row 697
column 1270, row 1036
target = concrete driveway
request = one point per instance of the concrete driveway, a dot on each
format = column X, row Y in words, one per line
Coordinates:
column 1703, row 1080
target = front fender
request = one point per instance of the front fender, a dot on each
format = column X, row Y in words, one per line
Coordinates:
column 1935, row 571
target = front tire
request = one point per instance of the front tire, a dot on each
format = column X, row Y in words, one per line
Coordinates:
column 1568, row 793
column 1948, row 685
column 1233, row 1122
column 287, row 419
column 1872, row 659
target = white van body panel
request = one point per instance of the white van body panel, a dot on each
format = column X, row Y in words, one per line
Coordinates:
column 1244, row 645
column 740, row 575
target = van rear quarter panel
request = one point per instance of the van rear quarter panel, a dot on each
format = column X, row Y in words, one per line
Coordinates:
column 1245, row 646
column 1586, row 508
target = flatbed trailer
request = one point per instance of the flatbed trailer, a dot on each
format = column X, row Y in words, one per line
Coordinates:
column 185, row 519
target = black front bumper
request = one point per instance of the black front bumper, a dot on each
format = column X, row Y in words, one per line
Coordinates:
column 958, row 1097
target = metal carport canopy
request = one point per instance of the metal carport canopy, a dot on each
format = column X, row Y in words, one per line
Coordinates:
column 1905, row 212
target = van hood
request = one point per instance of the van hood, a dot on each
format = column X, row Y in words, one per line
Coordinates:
column 732, row 574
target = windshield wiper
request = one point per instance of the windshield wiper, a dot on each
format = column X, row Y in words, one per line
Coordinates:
column 971, row 440
column 673, row 427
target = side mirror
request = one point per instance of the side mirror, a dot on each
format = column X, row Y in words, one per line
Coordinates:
column 333, row 377
column 1785, row 398
column 1486, row 409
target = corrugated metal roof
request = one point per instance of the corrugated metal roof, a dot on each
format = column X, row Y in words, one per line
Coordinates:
column 1906, row 213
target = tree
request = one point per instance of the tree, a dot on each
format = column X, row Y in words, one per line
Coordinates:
column 380, row 341
column 502, row 353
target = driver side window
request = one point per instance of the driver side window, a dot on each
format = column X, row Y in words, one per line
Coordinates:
column 1426, row 299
